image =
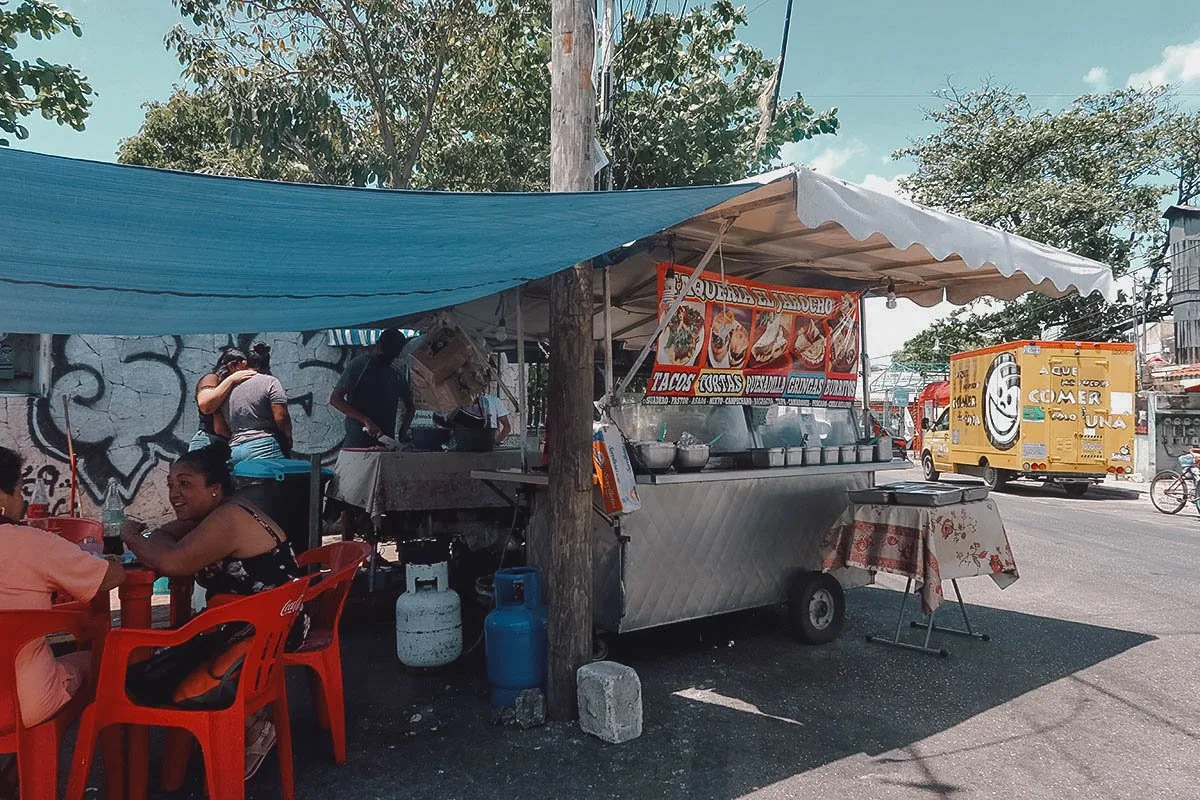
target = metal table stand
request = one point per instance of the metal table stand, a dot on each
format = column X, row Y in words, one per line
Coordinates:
column 929, row 626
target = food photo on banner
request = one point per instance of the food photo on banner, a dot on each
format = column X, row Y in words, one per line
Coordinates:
column 735, row 341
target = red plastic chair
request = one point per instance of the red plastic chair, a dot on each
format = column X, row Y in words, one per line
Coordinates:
column 36, row 748
column 221, row 733
column 322, row 649
column 84, row 532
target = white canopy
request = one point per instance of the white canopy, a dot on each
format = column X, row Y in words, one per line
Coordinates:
column 799, row 228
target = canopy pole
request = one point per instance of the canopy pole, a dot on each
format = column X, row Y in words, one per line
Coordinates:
column 523, row 383
column 665, row 319
column 864, row 360
column 608, row 333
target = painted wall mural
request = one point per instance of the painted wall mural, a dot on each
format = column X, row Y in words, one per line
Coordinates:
column 132, row 410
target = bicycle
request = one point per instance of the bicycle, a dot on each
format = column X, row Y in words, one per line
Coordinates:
column 1170, row 491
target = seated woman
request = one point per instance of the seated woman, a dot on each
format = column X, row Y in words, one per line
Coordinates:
column 228, row 545
column 225, row 542
column 38, row 564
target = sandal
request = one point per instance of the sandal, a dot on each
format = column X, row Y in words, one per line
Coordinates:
column 259, row 743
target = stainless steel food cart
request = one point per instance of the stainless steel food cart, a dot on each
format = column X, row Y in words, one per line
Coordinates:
column 710, row 542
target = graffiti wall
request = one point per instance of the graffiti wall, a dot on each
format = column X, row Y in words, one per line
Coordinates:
column 132, row 411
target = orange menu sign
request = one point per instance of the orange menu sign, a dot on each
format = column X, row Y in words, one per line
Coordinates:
column 742, row 342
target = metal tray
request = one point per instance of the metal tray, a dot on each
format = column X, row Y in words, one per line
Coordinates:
column 875, row 496
column 919, row 493
column 971, row 493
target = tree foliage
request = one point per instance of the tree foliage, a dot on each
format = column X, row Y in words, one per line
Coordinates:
column 1088, row 179
column 450, row 94
column 60, row 93
column 687, row 107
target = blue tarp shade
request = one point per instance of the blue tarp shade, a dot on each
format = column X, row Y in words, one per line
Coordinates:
column 87, row 247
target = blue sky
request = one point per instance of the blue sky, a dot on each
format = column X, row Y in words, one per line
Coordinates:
column 876, row 61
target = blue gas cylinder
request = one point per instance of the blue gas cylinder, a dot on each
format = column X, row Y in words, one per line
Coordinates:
column 515, row 635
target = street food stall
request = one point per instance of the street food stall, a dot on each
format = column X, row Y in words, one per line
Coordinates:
column 746, row 326
column 778, row 267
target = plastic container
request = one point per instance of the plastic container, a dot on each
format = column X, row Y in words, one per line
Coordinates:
column 428, row 617
column 515, row 635
column 849, row 453
column 831, row 455
column 812, row 456
column 866, row 453
column 279, row 486
column 883, row 449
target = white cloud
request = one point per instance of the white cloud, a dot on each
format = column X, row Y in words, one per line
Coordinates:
column 824, row 158
column 1180, row 64
column 1097, row 78
column 834, row 158
column 889, row 328
column 884, row 185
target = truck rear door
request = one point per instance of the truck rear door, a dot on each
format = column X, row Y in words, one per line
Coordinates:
column 1064, row 416
column 1095, row 394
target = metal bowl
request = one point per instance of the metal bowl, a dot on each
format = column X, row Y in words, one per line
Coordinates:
column 691, row 457
column 654, row 456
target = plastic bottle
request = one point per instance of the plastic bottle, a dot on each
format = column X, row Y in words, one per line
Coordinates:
column 39, row 504
column 113, row 517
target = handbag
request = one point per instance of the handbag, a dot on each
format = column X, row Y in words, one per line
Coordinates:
column 186, row 675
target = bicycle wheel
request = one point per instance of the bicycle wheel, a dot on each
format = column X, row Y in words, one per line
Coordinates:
column 1168, row 492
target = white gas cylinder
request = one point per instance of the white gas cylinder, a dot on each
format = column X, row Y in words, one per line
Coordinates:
column 428, row 617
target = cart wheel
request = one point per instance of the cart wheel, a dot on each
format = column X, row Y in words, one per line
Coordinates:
column 931, row 474
column 816, row 607
column 599, row 647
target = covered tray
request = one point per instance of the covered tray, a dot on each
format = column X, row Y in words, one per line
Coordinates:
column 874, row 496
column 919, row 493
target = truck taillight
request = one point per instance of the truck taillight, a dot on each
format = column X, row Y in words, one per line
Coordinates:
column 1112, row 470
column 1025, row 466
column 1120, row 470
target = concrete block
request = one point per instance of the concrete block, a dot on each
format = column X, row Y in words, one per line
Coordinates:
column 610, row 701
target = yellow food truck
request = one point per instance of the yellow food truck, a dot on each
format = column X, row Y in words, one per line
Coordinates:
column 1058, row 412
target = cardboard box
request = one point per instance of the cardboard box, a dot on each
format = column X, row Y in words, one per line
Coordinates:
column 614, row 471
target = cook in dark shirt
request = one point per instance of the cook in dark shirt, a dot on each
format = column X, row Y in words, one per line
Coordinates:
column 370, row 392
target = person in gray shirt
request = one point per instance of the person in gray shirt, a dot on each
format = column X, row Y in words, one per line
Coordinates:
column 259, row 423
column 370, row 392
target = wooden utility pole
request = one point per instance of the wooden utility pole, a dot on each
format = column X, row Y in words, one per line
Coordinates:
column 569, row 405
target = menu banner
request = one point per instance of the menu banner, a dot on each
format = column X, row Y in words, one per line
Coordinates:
column 742, row 342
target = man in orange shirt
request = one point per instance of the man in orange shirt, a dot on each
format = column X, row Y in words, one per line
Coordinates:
column 38, row 564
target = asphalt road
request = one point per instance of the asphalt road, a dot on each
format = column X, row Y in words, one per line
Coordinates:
column 1090, row 689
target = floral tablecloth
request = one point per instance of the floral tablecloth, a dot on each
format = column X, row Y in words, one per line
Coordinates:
column 930, row 544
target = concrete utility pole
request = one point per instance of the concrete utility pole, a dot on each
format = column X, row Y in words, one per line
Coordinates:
column 569, row 403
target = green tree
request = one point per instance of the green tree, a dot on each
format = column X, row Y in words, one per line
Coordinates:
column 449, row 95
column 59, row 92
column 1084, row 179
column 687, row 101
